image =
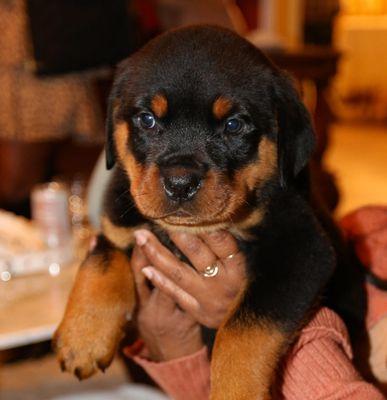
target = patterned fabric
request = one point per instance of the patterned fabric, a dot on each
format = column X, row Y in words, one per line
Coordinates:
column 37, row 109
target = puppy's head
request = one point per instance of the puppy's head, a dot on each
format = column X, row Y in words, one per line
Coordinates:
column 201, row 121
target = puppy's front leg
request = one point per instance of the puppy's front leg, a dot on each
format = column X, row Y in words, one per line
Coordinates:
column 244, row 360
column 102, row 296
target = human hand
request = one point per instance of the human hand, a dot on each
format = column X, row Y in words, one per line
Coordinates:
column 206, row 299
column 167, row 330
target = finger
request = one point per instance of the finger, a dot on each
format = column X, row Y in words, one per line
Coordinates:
column 187, row 302
column 222, row 243
column 166, row 262
column 138, row 262
column 198, row 253
column 163, row 301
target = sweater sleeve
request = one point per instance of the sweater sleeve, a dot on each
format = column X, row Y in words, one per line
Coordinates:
column 318, row 367
column 186, row 378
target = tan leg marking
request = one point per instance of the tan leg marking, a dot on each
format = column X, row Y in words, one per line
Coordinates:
column 244, row 361
column 122, row 237
column 102, row 297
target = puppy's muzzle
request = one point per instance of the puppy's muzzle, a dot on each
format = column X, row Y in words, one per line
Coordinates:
column 181, row 178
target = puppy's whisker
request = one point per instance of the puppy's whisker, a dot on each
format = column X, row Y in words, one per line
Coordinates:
column 126, row 211
column 126, row 191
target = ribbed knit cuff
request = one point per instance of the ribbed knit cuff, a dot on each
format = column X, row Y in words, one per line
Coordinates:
column 186, row 378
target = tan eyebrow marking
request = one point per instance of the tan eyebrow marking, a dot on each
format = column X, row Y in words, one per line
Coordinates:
column 221, row 107
column 159, row 105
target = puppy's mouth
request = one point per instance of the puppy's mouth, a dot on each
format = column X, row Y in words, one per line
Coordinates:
column 182, row 217
column 179, row 213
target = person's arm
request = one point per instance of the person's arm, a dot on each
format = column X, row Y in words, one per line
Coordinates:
column 319, row 366
column 184, row 378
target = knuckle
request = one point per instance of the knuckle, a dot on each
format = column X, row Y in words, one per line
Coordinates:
column 144, row 321
column 217, row 308
column 219, row 237
column 160, row 328
column 220, row 311
column 238, row 261
column 211, row 322
column 150, row 324
column 152, row 250
column 193, row 245
column 230, row 293
column 177, row 275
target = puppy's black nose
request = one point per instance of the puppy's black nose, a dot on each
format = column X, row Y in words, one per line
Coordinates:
column 182, row 187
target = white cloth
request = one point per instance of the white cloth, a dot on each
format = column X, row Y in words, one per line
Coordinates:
column 127, row 392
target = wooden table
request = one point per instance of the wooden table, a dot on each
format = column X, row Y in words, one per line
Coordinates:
column 31, row 307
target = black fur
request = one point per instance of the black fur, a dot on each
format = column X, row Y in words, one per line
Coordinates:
column 290, row 259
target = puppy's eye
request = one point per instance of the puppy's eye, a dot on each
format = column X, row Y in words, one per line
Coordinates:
column 233, row 125
column 147, row 120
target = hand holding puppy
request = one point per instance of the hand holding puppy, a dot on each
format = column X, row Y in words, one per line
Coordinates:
column 169, row 315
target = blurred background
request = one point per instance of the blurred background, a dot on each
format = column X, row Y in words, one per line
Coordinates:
column 57, row 60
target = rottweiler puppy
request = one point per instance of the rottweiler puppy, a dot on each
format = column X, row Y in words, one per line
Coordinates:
column 205, row 133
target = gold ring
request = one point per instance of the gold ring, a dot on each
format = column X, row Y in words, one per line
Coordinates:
column 211, row 271
column 230, row 256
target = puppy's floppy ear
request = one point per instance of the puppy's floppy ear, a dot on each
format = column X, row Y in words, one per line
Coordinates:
column 296, row 138
column 112, row 108
column 110, row 150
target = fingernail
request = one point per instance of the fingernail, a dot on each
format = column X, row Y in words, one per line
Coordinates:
column 147, row 271
column 141, row 237
column 92, row 243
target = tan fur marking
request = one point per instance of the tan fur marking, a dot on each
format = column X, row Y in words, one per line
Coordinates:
column 263, row 169
column 135, row 170
column 159, row 105
column 244, row 361
column 121, row 134
column 253, row 219
column 100, row 300
column 194, row 230
column 122, row 237
column 221, row 107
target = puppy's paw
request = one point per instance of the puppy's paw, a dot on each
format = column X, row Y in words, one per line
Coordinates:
column 86, row 344
column 92, row 327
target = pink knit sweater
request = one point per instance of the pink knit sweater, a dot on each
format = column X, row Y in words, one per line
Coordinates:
column 318, row 367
